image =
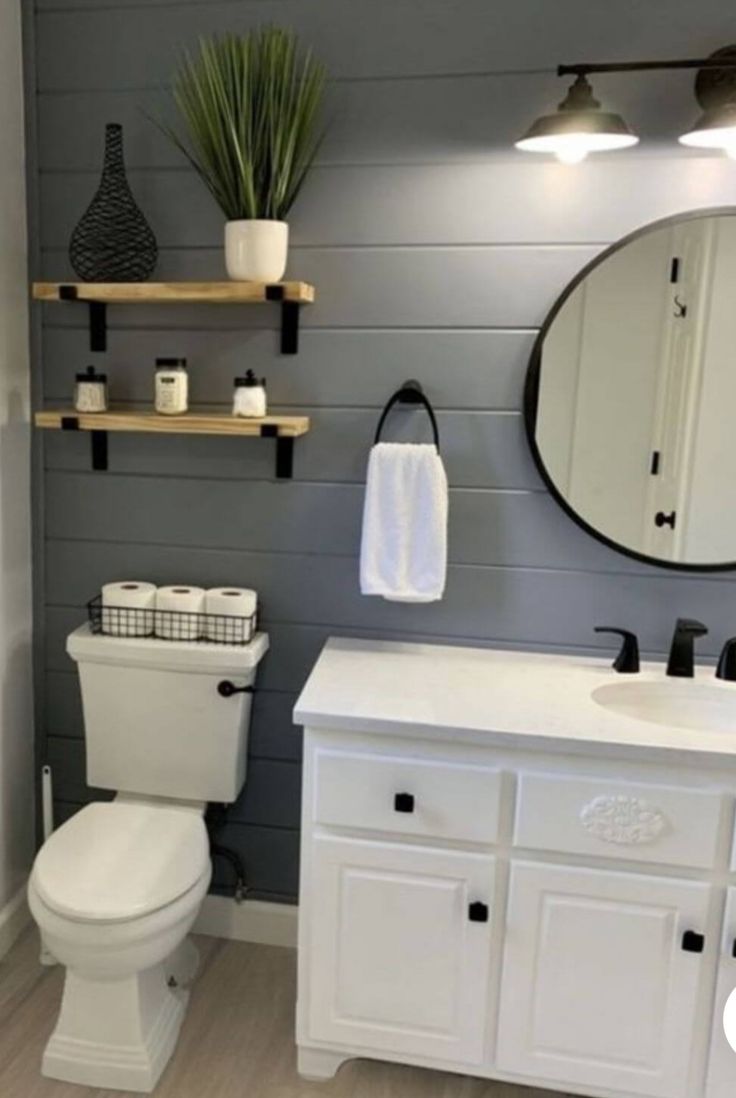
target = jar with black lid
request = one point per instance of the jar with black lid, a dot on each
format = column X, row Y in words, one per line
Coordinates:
column 249, row 398
column 90, row 391
column 172, row 386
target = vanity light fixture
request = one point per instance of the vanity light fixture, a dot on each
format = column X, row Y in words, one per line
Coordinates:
column 715, row 91
column 577, row 127
column 580, row 126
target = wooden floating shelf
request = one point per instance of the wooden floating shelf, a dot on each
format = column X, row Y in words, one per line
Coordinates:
column 98, row 295
column 192, row 423
column 284, row 429
column 223, row 293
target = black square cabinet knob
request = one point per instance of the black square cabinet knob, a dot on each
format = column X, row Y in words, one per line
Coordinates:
column 404, row 802
column 692, row 942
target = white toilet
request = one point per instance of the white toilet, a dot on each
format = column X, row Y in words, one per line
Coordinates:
column 116, row 889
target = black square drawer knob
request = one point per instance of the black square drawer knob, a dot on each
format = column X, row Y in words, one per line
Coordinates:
column 404, row 802
column 692, row 942
column 478, row 912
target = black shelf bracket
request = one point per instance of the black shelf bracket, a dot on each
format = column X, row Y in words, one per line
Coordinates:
column 99, row 451
column 284, row 451
column 97, row 317
column 289, row 320
column 98, row 443
column 290, row 311
column 99, row 447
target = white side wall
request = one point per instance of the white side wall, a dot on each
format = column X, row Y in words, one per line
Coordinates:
column 16, row 728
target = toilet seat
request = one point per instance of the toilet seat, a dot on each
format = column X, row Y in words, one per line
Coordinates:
column 116, row 861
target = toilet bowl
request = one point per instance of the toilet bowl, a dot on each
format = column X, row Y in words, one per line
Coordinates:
column 115, row 891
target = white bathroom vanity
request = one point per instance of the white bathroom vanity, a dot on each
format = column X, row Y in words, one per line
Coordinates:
column 518, row 866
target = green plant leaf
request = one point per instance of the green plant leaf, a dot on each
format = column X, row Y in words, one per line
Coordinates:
column 249, row 110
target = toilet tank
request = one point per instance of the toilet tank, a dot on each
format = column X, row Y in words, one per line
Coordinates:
column 155, row 722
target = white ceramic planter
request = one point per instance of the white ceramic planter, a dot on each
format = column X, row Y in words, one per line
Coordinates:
column 255, row 251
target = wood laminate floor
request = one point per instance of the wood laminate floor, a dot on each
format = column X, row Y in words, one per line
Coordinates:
column 237, row 1039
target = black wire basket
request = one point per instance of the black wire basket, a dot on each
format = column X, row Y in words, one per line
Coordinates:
column 171, row 625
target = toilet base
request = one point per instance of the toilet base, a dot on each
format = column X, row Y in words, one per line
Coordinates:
column 120, row 1034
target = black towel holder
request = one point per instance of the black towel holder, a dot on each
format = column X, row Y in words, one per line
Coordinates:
column 410, row 392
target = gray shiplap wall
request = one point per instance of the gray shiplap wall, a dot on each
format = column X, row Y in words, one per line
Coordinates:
column 436, row 250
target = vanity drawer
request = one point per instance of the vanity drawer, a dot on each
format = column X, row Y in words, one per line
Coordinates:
column 435, row 798
column 627, row 820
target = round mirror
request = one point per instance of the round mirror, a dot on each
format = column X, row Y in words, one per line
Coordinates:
column 630, row 398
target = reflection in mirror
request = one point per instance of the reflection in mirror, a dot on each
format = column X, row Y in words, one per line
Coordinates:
column 631, row 396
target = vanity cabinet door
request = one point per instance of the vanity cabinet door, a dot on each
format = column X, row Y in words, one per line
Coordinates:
column 597, row 989
column 400, row 948
column 722, row 1070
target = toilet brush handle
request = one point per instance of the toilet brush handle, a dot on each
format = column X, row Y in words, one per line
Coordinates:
column 226, row 689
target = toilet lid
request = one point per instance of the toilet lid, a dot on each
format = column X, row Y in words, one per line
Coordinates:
column 116, row 860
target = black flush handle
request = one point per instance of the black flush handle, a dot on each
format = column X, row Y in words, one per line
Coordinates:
column 692, row 942
column 404, row 802
column 478, row 912
column 661, row 519
column 226, row 689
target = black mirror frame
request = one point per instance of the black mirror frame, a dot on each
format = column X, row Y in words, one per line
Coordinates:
column 531, row 392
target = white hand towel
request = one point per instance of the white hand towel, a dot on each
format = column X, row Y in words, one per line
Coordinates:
column 403, row 554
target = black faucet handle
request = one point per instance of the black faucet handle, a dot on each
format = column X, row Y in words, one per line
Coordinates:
column 691, row 626
column 627, row 661
column 726, row 668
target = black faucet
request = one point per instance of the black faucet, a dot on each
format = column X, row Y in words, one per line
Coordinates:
column 627, row 661
column 681, row 664
column 727, row 663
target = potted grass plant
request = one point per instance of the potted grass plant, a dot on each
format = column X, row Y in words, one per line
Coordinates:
column 249, row 107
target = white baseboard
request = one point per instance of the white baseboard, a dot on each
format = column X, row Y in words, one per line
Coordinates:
column 251, row 921
column 14, row 918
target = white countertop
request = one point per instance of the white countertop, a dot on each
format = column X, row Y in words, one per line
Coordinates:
column 482, row 695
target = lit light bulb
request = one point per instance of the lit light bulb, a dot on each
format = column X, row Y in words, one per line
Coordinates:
column 573, row 154
column 716, row 129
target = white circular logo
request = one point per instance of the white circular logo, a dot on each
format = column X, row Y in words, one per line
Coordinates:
column 729, row 1020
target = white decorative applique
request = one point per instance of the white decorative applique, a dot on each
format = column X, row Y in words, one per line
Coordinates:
column 622, row 819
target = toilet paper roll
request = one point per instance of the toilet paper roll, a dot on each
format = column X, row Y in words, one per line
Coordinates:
column 127, row 608
column 230, row 614
column 179, row 612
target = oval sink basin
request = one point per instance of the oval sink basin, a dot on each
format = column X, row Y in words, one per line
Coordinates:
column 674, row 704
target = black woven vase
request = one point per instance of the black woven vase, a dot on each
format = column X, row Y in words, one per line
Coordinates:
column 113, row 242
